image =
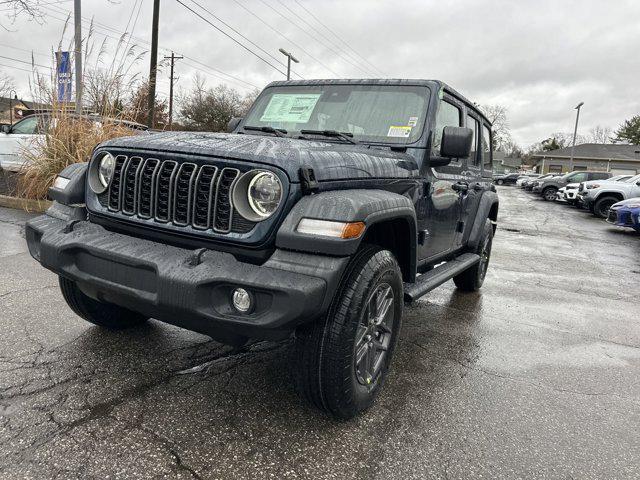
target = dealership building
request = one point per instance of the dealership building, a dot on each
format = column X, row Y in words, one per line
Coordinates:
column 617, row 159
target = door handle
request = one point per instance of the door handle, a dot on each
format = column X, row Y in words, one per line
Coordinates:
column 460, row 187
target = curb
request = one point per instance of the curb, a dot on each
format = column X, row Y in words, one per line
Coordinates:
column 27, row 204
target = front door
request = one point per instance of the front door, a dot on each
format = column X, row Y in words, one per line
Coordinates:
column 14, row 144
column 441, row 204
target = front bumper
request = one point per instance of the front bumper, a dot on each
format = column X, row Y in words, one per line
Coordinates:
column 537, row 188
column 188, row 288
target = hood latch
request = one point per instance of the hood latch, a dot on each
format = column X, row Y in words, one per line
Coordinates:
column 308, row 180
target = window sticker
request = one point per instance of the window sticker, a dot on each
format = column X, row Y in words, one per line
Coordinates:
column 400, row 131
column 413, row 121
column 288, row 107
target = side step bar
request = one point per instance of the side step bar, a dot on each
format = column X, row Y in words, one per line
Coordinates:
column 434, row 278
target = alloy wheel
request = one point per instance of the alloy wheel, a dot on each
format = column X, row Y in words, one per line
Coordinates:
column 373, row 337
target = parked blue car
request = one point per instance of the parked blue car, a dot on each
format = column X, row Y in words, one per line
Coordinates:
column 626, row 214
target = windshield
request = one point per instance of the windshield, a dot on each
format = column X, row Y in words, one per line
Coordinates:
column 371, row 113
column 633, row 179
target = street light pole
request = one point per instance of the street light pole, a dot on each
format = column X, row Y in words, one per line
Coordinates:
column 290, row 58
column 575, row 133
column 11, row 105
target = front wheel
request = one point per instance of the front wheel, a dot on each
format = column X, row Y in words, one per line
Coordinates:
column 472, row 278
column 549, row 194
column 107, row 315
column 343, row 360
column 500, row 182
column 602, row 206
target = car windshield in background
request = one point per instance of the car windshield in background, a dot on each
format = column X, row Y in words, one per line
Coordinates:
column 369, row 113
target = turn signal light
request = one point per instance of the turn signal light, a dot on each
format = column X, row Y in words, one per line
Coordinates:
column 327, row 228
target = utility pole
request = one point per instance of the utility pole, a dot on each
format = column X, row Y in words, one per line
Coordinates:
column 77, row 21
column 290, row 57
column 173, row 59
column 575, row 133
column 153, row 64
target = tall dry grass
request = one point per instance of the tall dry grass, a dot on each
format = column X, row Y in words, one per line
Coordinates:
column 71, row 139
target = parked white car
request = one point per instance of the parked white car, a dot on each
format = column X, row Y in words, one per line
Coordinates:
column 22, row 135
column 569, row 193
column 598, row 195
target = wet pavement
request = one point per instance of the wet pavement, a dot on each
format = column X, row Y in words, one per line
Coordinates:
column 537, row 376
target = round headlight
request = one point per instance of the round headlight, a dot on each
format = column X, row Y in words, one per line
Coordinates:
column 264, row 194
column 101, row 172
column 105, row 169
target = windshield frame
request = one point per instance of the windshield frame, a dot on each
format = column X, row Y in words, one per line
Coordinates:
column 423, row 124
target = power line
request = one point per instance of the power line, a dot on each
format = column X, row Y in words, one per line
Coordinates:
column 337, row 36
column 340, row 51
column 337, row 54
column 230, row 37
column 24, row 61
column 15, row 68
column 240, row 34
column 204, row 68
column 298, row 46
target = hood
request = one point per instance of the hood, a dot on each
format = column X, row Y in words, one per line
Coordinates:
column 626, row 203
column 330, row 161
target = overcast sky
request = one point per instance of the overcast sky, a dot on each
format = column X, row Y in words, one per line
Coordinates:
column 537, row 58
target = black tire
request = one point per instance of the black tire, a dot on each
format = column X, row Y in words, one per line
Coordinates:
column 107, row 315
column 549, row 193
column 327, row 351
column 500, row 182
column 602, row 205
column 472, row 279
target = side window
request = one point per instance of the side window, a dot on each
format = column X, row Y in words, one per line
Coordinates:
column 28, row 126
column 599, row 176
column 579, row 177
column 448, row 116
column 486, row 149
column 473, row 124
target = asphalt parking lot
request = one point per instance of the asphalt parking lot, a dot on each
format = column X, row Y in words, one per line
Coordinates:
column 537, row 376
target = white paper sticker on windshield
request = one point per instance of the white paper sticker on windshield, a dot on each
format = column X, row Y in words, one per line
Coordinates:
column 413, row 121
column 400, row 131
column 290, row 107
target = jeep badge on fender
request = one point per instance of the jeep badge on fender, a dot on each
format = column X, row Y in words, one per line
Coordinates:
column 316, row 217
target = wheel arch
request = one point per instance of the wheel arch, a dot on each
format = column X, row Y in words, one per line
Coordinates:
column 389, row 218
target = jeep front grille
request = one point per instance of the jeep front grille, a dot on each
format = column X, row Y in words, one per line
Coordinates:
column 181, row 193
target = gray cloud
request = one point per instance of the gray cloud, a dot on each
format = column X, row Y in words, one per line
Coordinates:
column 538, row 58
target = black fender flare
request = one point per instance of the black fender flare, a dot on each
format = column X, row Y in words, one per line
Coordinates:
column 73, row 192
column 488, row 201
column 368, row 206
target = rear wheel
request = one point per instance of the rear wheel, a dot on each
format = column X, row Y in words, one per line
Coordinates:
column 343, row 360
column 602, row 206
column 500, row 182
column 103, row 314
column 472, row 279
column 549, row 193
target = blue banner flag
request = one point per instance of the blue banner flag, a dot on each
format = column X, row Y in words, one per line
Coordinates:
column 64, row 76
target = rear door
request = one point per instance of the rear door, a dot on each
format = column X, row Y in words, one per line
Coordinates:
column 472, row 173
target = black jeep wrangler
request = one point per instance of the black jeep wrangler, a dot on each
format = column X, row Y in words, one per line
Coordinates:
column 321, row 212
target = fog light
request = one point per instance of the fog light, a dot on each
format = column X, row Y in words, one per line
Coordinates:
column 242, row 300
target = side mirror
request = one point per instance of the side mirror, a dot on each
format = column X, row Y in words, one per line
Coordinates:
column 233, row 124
column 456, row 142
column 5, row 128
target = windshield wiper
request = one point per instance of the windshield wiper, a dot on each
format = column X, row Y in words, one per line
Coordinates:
column 278, row 132
column 332, row 133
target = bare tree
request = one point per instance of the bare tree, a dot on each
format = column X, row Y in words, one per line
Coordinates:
column 497, row 115
column 210, row 109
column 6, row 85
column 599, row 134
